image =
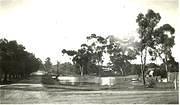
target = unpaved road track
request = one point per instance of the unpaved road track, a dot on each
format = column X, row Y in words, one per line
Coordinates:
column 88, row 97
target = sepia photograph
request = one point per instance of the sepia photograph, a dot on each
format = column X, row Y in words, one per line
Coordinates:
column 89, row 52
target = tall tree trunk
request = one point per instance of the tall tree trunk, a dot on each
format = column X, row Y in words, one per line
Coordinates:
column 143, row 64
column 5, row 78
column 166, row 67
column 81, row 70
column 165, row 64
column 142, row 68
column 99, row 69
column 125, row 69
column 121, row 71
column 10, row 76
column 143, row 73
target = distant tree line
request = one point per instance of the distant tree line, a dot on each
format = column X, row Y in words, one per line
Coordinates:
column 69, row 69
column 15, row 62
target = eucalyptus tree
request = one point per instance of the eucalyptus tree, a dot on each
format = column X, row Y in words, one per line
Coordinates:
column 157, row 41
column 98, row 45
column 48, row 64
column 121, row 53
column 163, row 43
column 81, row 57
column 146, row 26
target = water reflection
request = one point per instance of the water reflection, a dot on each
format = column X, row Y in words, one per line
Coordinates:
column 68, row 80
column 87, row 80
column 108, row 81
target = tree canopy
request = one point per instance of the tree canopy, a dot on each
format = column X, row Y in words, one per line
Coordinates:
column 15, row 60
column 156, row 41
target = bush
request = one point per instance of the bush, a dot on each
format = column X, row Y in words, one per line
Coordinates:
column 46, row 79
column 150, row 82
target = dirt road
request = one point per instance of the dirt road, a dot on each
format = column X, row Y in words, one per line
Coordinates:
column 88, row 97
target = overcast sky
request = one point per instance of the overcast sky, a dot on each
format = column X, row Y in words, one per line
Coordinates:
column 45, row 27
